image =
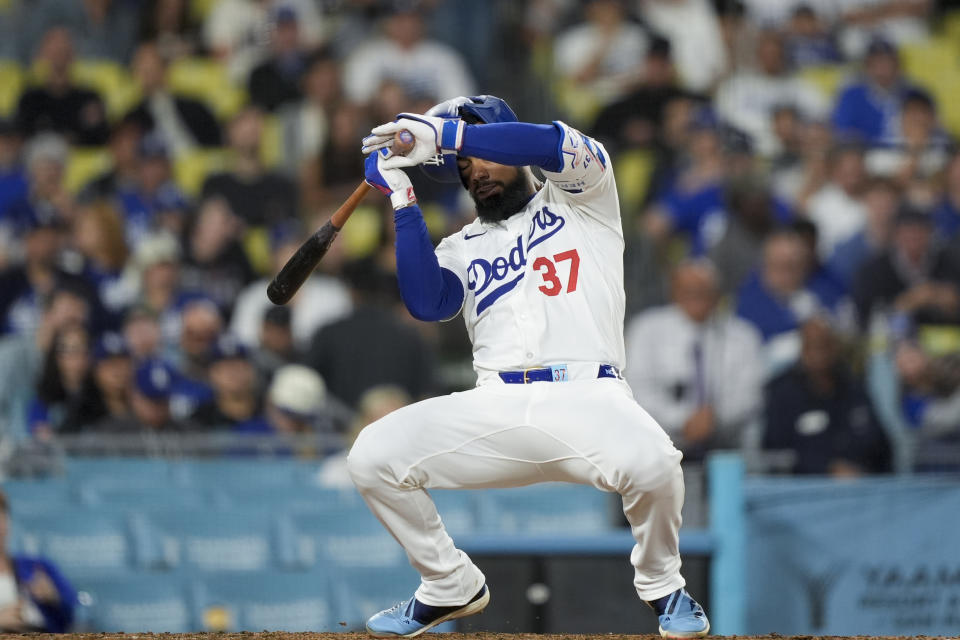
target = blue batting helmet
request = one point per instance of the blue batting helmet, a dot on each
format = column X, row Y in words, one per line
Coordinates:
column 483, row 109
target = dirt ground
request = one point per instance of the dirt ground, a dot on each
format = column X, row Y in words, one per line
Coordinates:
column 363, row 636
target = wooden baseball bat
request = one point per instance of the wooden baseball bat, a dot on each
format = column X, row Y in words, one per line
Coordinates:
column 299, row 267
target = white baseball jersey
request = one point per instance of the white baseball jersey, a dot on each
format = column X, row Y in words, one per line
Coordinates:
column 545, row 286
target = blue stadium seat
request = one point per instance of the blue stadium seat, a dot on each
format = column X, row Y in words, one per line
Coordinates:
column 295, row 498
column 79, row 539
column 127, row 473
column 243, row 473
column 363, row 591
column 349, row 537
column 275, row 601
column 134, row 602
column 37, row 497
column 546, row 508
column 161, row 497
column 212, row 540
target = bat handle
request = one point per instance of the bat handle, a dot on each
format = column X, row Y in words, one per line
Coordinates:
column 341, row 215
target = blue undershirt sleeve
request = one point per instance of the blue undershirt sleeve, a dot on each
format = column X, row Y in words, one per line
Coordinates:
column 430, row 292
column 517, row 144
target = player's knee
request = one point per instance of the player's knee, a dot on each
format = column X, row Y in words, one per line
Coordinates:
column 649, row 473
column 369, row 460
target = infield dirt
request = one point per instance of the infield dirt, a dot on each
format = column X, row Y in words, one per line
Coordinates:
column 437, row 636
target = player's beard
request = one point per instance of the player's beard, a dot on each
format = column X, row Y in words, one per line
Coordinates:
column 511, row 199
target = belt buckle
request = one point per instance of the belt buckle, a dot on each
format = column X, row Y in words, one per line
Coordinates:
column 526, row 378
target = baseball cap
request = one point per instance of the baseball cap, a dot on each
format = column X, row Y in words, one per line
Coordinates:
column 284, row 14
column 153, row 145
column 154, row 379
column 911, row 215
column 110, row 345
column 298, row 390
column 227, row 347
column 156, row 248
column 880, row 46
column 277, row 316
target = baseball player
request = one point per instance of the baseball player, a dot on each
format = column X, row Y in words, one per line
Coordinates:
column 538, row 278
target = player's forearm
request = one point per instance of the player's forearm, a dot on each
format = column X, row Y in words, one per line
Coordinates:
column 517, row 144
column 429, row 292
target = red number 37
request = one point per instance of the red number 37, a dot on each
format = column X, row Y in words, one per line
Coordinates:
column 548, row 270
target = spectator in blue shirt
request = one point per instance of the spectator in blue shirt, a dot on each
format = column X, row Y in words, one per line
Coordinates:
column 237, row 402
column 881, row 199
column 868, row 110
column 693, row 203
column 785, row 290
column 155, row 201
column 35, row 595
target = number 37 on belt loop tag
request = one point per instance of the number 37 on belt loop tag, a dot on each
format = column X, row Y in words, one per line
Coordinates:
column 559, row 373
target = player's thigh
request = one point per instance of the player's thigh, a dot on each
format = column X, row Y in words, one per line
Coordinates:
column 600, row 419
column 442, row 442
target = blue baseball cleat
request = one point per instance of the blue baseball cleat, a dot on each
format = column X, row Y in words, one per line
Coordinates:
column 411, row 618
column 680, row 616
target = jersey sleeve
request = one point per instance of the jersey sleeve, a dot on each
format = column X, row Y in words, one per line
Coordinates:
column 586, row 176
column 450, row 256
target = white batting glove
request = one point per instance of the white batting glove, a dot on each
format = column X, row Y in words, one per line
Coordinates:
column 393, row 183
column 432, row 136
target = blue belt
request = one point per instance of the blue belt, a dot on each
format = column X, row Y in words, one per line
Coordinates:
column 556, row 373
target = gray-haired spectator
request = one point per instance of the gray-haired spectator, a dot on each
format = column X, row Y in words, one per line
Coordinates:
column 696, row 368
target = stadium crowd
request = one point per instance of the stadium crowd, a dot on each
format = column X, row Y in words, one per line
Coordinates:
column 787, row 169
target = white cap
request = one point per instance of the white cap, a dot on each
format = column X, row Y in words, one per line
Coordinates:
column 298, row 389
column 155, row 248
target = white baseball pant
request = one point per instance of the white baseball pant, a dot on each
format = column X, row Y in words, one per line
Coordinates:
column 507, row 435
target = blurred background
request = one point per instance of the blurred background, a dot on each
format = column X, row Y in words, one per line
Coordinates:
column 173, row 446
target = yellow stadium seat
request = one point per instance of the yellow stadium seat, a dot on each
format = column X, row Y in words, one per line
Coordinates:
column 938, row 340
column 361, row 237
column 112, row 81
column 927, row 61
column 632, row 169
column 11, row 86
column 200, row 9
column 84, row 164
column 256, row 244
column 192, row 168
column 827, row 78
column 271, row 144
column 950, row 25
column 579, row 105
column 207, row 80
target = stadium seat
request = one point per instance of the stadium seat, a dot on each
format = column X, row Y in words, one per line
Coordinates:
column 134, row 602
column 363, row 591
column 828, row 78
column 207, row 80
column 200, row 9
column 160, row 497
column 11, row 86
column 361, row 237
column 297, row 499
column 121, row 472
column 39, row 497
column 79, row 539
column 349, row 537
column 84, row 164
column 112, row 81
column 546, row 508
column 632, row 169
column 190, row 169
column 215, row 540
column 244, row 473
column 254, row 601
